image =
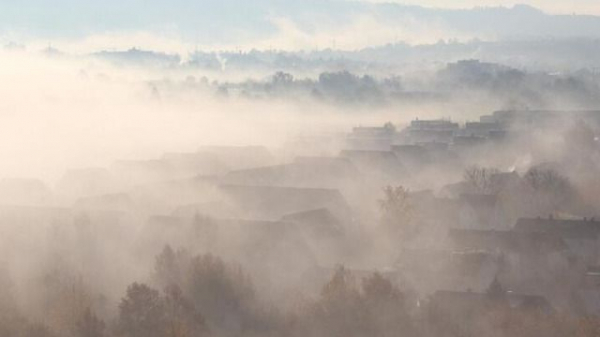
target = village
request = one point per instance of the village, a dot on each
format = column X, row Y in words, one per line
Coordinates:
column 451, row 214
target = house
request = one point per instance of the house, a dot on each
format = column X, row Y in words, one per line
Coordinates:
column 413, row 156
column 479, row 211
column 434, row 124
column 25, row 192
column 164, row 197
column 503, row 181
column 213, row 208
column 315, row 278
column 198, row 233
column 373, row 132
column 171, row 166
column 274, row 202
column 183, row 164
column 498, row 183
column 136, row 172
column 121, row 202
column 431, row 131
column 461, row 307
column 371, row 138
column 467, row 142
column 527, row 119
column 308, row 172
column 22, row 218
column 318, row 223
column 581, row 236
column 519, row 242
column 429, row 136
column 427, row 270
column 87, row 182
column 455, row 190
column 532, row 260
column 482, row 129
column 324, row 233
column 436, row 216
column 269, row 250
column 239, row 157
column 383, row 164
column 24, row 228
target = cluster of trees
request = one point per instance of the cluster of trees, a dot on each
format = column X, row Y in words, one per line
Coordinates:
column 346, row 307
column 204, row 296
column 340, row 87
column 541, row 191
column 519, row 88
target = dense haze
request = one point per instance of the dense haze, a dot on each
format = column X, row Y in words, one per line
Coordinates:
column 299, row 168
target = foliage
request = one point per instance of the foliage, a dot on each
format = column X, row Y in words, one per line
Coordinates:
column 374, row 307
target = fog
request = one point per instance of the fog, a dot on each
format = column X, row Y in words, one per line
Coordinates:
column 320, row 169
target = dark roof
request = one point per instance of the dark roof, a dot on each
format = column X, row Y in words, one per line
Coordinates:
column 304, row 172
column 412, row 153
column 385, row 161
column 483, row 207
column 507, row 241
column 434, row 124
column 118, row 202
column 90, row 181
column 466, row 300
column 362, row 131
column 316, row 160
column 274, row 202
column 253, row 239
column 454, row 190
column 483, row 126
column 24, row 191
column 503, row 179
column 318, row 221
column 240, row 157
column 368, row 154
column 434, row 146
column 581, row 229
column 18, row 215
column 408, row 149
column 478, row 200
column 468, row 140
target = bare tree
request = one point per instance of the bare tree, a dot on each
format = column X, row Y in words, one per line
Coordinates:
column 480, row 178
column 397, row 212
column 552, row 190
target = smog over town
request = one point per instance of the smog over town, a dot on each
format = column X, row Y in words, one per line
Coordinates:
column 224, row 168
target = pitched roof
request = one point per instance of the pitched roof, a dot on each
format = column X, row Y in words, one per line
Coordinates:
column 385, row 161
column 274, row 202
column 573, row 229
column 507, row 241
column 466, row 300
column 477, row 200
column 319, row 221
column 303, row 172
column 115, row 202
column 368, row 154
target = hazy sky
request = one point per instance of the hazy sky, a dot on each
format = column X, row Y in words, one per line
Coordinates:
column 183, row 25
column 549, row 6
